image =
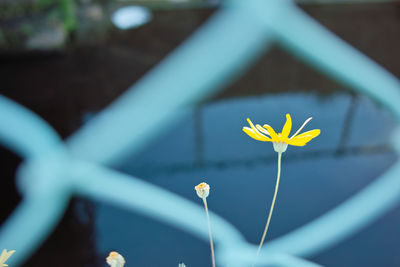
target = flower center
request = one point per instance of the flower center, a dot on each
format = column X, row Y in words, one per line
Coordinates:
column 280, row 146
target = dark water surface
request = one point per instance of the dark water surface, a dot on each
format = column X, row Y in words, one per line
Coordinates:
column 209, row 145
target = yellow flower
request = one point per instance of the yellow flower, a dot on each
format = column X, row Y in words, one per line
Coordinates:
column 281, row 140
column 202, row 190
column 115, row 259
column 4, row 256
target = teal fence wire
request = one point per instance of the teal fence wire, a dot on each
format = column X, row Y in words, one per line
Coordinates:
column 227, row 44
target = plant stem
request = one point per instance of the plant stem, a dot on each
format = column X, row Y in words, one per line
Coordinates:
column 209, row 232
column 272, row 204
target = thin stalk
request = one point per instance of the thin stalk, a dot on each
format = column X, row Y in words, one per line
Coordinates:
column 209, row 232
column 272, row 204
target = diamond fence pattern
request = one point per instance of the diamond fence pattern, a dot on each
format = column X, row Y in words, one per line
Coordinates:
column 225, row 45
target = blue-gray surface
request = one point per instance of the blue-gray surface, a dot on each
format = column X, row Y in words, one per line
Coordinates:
column 241, row 172
column 221, row 49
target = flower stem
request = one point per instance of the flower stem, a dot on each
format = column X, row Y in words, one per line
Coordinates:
column 209, row 232
column 272, row 204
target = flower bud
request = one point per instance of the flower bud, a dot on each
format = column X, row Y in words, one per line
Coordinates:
column 115, row 259
column 202, row 190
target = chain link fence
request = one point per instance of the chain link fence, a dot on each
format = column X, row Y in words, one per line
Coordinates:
column 224, row 46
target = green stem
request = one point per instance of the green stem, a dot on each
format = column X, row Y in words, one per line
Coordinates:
column 273, row 203
column 209, row 232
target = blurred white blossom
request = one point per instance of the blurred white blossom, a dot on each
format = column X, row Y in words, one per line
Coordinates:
column 202, row 190
column 115, row 259
column 4, row 256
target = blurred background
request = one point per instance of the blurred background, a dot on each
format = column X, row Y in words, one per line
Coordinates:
column 67, row 60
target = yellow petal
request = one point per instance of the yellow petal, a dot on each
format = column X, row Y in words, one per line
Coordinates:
column 313, row 133
column 297, row 142
column 304, row 138
column 253, row 127
column 254, row 135
column 287, row 127
column 3, row 256
column 261, row 129
column 301, row 128
column 271, row 132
